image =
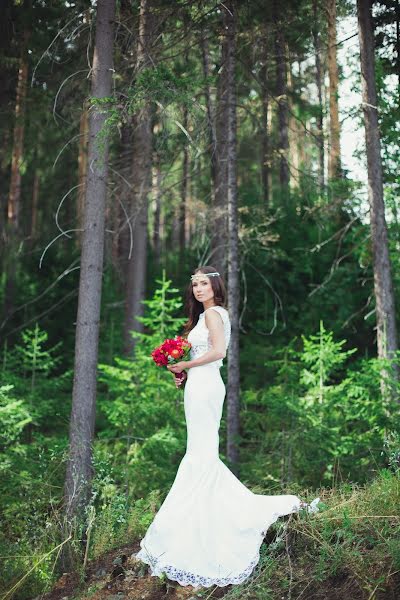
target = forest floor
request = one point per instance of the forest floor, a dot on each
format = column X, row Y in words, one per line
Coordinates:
column 118, row 575
column 348, row 550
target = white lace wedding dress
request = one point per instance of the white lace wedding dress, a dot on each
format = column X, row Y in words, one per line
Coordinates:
column 210, row 527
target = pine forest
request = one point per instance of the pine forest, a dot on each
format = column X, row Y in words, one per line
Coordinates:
column 141, row 140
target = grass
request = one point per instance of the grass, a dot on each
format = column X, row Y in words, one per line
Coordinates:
column 348, row 550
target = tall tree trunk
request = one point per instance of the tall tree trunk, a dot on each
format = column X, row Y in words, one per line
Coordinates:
column 210, row 112
column 35, row 204
column 124, row 238
column 14, row 196
column 141, row 185
column 282, row 100
column 265, row 91
column 319, row 77
column 125, row 225
column 157, row 210
column 219, row 221
column 184, row 190
column 79, row 467
column 233, row 248
column 296, row 143
column 183, row 212
column 82, row 168
column 383, row 285
column 334, row 163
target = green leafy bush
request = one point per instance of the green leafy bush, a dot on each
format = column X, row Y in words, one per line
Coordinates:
column 320, row 421
column 141, row 412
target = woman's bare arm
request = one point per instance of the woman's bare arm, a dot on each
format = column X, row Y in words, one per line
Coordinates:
column 215, row 327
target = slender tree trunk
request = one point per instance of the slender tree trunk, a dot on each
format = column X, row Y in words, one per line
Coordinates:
column 282, row 100
column 14, row 197
column 219, row 222
column 35, row 204
column 383, row 285
column 125, row 236
column 157, row 209
column 319, row 76
column 79, row 467
column 265, row 149
column 141, row 185
column 233, row 249
column 185, row 162
column 210, row 112
column 296, row 143
column 82, row 168
column 184, row 190
column 334, row 163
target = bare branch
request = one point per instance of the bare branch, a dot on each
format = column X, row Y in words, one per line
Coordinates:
column 63, row 233
column 50, row 45
column 78, row 135
column 60, row 88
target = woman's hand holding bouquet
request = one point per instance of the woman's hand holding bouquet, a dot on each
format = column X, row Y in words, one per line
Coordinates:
column 171, row 354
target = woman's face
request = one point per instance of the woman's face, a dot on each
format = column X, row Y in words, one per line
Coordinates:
column 202, row 288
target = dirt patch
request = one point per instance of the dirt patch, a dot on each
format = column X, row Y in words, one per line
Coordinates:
column 119, row 576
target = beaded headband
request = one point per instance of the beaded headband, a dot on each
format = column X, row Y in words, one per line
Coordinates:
column 199, row 275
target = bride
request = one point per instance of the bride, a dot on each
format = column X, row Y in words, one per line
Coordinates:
column 210, row 527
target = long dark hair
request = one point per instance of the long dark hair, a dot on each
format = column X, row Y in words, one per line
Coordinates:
column 193, row 307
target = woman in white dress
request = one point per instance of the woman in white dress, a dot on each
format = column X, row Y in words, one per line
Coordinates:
column 210, row 527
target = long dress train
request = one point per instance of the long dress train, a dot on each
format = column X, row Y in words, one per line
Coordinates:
column 210, row 527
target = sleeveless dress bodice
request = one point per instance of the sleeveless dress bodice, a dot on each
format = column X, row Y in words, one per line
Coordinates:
column 199, row 336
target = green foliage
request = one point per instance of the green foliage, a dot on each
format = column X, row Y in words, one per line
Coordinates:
column 144, row 428
column 320, row 421
column 14, row 417
column 311, row 405
column 352, row 544
column 29, row 401
column 30, row 366
column 322, row 357
column 163, row 85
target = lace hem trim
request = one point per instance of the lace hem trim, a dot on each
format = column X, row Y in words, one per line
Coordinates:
column 185, row 578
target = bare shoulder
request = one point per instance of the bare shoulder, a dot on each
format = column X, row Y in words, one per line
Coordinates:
column 211, row 314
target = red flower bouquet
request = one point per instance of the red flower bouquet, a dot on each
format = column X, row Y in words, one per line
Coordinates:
column 171, row 352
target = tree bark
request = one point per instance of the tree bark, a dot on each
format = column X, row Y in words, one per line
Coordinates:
column 79, row 467
column 319, row 77
column 219, row 220
column 334, row 162
column 82, row 168
column 35, row 204
column 157, row 231
column 282, row 100
column 383, row 285
column 14, row 196
column 183, row 211
column 265, row 146
column 124, row 224
column 141, row 185
column 210, row 112
column 233, row 249
column 297, row 141
column 184, row 190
